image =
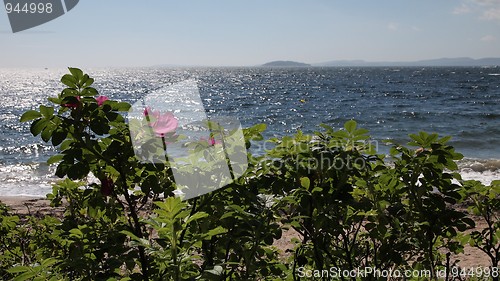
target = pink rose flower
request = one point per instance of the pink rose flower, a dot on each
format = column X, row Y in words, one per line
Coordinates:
column 73, row 105
column 101, row 99
column 107, row 186
column 162, row 123
column 211, row 141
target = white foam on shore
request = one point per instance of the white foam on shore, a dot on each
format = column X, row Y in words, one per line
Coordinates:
column 485, row 177
column 35, row 180
column 483, row 170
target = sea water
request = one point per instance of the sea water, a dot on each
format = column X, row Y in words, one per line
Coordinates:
column 391, row 102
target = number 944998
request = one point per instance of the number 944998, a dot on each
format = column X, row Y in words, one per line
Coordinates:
column 29, row 8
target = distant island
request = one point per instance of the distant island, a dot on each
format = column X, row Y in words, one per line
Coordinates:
column 432, row 62
column 450, row 62
column 281, row 63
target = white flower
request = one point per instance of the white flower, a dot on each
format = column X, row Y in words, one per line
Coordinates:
column 178, row 193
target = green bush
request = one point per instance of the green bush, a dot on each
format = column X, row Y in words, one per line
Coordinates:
column 345, row 206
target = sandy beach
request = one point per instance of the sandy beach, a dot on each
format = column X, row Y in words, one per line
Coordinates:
column 23, row 205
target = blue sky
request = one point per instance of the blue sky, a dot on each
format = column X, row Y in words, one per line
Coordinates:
column 239, row 33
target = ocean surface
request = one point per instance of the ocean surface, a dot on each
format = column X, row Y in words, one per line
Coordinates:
column 391, row 102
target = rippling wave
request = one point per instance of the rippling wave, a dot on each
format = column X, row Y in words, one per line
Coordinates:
column 390, row 102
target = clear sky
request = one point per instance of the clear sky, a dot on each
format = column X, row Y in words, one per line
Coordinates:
column 99, row 33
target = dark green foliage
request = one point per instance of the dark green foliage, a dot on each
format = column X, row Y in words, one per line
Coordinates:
column 348, row 206
column 486, row 204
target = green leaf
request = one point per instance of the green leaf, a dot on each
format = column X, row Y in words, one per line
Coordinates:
column 55, row 158
column 75, row 232
column 25, row 276
column 76, row 72
column 78, row 171
column 49, row 262
column 216, row 231
column 326, row 127
column 54, row 100
column 38, row 126
column 150, row 183
column 121, row 106
column 360, row 132
column 444, row 140
column 58, row 137
column 216, row 271
column 18, row 269
column 87, row 82
column 305, row 182
column 46, row 135
column 69, row 93
column 69, row 81
column 46, row 111
column 99, row 126
column 260, row 127
column 30, row 115
column 196, row 216
column 47, row 132
column 62, row 169
column 89, row 92
column 350, row 126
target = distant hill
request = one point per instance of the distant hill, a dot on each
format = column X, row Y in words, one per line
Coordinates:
column 433, row 62
column 281, row 63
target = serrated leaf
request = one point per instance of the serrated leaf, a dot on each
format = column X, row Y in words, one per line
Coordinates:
column 25, row 276
column 18, row 269
column 30, row 115
column 49, row 262
column 196, row 216
column 75, row 232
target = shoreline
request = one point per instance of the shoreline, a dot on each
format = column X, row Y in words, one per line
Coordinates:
column 37, row 183
column 40, row 206
column 25, row 205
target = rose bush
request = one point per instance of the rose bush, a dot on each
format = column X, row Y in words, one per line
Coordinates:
column 340, row 203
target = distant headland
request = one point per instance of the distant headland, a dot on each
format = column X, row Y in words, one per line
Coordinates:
column 446, row 62
column 282, row 63
column 464, row 61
